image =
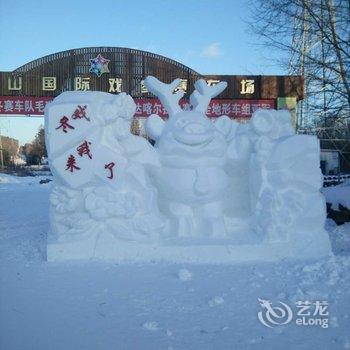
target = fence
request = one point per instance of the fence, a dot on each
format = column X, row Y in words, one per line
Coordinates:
column 333, row 180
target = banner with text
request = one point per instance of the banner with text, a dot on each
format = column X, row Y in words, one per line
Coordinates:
column 34, row 107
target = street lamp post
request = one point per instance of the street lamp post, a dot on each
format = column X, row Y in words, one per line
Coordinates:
column 1, row 153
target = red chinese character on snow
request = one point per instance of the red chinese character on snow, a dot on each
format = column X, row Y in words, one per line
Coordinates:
column 80, row 113
column 110, row 166
column 71, row 164
column 64, row 124
column 84, row 149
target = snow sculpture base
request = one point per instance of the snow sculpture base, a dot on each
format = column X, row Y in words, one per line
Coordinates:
column 109, row 249
column 207, row 192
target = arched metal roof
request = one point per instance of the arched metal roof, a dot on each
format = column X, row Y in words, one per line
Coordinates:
column 127, row 68
column 96, row 50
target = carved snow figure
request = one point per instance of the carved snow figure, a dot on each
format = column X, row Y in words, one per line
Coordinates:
column 207, row 192
column 287, row 209
column 101, row 190
column 193, row 186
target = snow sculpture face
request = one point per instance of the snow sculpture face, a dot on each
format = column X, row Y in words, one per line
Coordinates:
column 191, row 133
column 190, row 128
column 187, row 132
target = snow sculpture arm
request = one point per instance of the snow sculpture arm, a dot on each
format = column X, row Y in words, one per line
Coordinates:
column 154, row 126
column 224, row 125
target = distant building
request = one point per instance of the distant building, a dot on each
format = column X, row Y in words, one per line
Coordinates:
column 335, row 156
column 10, row 148
column 27, row 89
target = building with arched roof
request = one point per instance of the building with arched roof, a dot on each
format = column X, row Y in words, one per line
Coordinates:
column 27, row 89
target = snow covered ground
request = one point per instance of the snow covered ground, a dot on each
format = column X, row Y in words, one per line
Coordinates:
column 106, row 306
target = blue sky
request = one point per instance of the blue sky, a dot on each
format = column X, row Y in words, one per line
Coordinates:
column 210, row 36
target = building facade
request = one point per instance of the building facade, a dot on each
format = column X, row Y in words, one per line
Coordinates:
column 26, row 90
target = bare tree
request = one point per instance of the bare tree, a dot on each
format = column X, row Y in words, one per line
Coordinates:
column 36, row 150
column 313, row 37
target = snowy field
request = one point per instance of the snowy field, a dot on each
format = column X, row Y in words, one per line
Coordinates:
column 106, row 306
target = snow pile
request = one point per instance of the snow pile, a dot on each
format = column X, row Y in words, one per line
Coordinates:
column 218, row 300
column 339, row 194
column 8, row 179
column 151, row 326
column 185, row 275
column 21, row 180
column 339, row 236
column 207, row 192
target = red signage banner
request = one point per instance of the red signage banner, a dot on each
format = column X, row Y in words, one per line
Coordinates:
column 34, row 106
column 232, row 108
column 23, row 105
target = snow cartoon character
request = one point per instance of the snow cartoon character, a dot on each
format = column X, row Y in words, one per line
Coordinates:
column 193, row 187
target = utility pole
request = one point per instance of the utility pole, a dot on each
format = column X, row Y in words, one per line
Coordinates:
column 323, row 28
column 305, row 40
column 298, row 64
column 1, row 153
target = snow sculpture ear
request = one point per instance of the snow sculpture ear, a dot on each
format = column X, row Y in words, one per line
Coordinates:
column 200, row 98
column 154, row 126
column 165, row 93
column 224, row 125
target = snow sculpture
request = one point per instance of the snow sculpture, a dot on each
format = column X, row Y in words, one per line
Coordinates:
column 206, row 192
column 192, row 183
column 287, row 207
column 101, row 188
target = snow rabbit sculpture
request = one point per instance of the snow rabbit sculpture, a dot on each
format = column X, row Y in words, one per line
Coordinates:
column 192, row 184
